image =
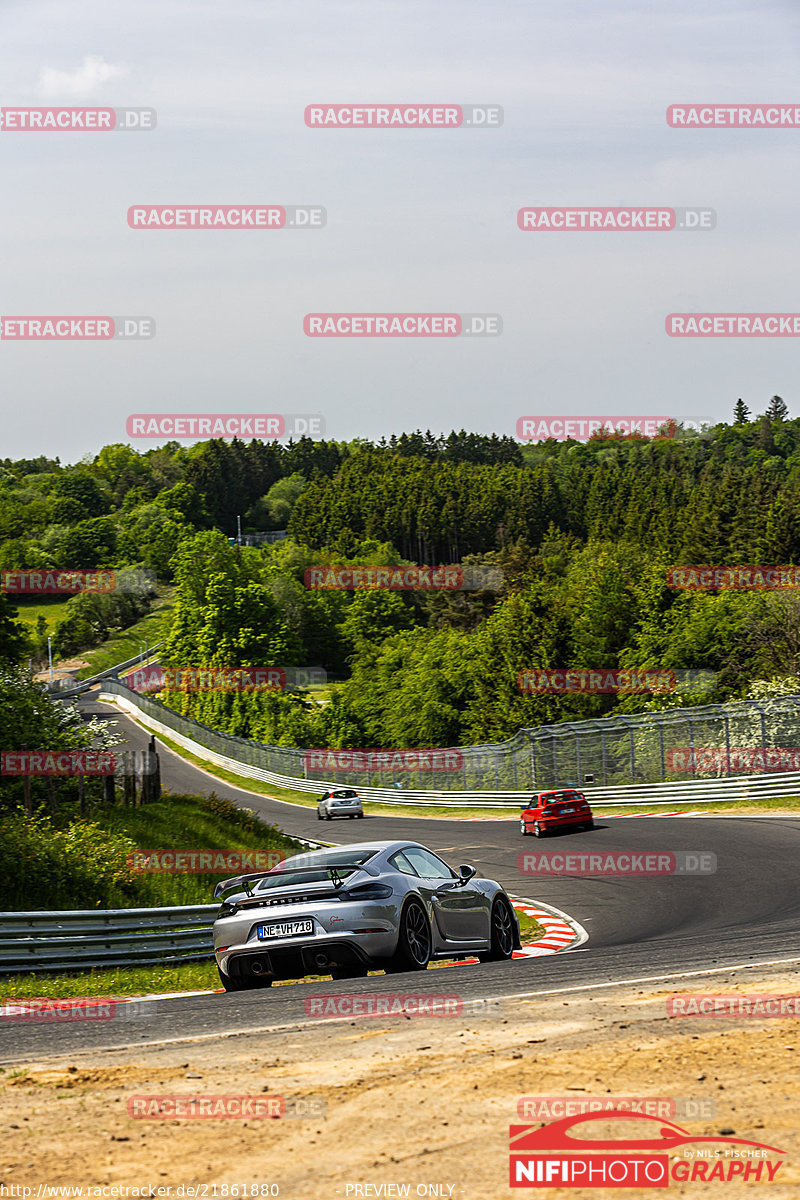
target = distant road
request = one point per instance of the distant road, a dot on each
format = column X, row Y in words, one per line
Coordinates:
column 639, row 927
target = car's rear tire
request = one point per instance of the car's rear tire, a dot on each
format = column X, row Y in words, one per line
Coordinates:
column 328, row 817
column 360, row 816
column 349, row 973
column 502, row 924
column 413, row 951
column 245, row 983
column 538, row 831
column 319, row 815
column 523, row 828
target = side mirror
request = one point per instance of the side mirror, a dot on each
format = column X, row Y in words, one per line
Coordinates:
column 466, row 873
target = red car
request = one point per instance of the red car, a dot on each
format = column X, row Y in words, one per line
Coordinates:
column 555, row 810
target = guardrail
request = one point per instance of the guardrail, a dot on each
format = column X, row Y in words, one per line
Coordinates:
column 66, row 693
column 108, row 937
column 114, row 937
column 213, row 747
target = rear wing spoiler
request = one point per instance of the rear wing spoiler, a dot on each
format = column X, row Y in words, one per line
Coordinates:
column 337, row 874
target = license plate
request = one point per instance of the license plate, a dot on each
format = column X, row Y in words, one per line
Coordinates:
column 285, row 929
column 567, row 810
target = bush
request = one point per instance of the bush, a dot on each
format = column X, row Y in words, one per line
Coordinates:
column 28, row 717
column 83, row 866
column 71, row 862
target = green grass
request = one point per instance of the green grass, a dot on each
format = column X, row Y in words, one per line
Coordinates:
column 112, row 981
column 129, row 642
column 69, row 862
column 529, row 928
column 53, row 609
column 186, row 823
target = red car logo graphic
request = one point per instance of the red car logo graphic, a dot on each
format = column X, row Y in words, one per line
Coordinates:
column 663, row 1136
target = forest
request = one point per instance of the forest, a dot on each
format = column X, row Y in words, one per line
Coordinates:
column 575, row 540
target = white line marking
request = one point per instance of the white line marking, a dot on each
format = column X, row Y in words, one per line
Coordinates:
column 587, row 987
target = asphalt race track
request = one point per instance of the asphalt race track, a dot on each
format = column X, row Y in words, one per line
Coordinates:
column 640, row 928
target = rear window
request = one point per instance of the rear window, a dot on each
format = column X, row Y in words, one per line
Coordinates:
column 345, row 862
column 562, row 798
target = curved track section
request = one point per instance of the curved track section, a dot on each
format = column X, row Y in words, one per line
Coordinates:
column 639, row 928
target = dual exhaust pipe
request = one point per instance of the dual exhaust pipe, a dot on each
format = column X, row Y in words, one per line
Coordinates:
column 259, row 967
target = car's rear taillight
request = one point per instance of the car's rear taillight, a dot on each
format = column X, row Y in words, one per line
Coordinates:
column 367, row 891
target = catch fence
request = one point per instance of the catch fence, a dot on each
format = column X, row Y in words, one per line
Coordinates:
column 713, row 742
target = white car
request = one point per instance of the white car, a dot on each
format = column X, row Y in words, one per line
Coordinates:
column 340, row 802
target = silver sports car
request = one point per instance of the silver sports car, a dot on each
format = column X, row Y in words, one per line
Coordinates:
column 343, row 911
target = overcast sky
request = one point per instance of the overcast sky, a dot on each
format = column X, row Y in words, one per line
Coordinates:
column 418, row 220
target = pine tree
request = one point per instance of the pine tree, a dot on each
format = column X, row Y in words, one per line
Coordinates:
column 778, row 409
column 741, row 413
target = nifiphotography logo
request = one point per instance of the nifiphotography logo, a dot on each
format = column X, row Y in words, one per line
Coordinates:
column 573, row 1152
